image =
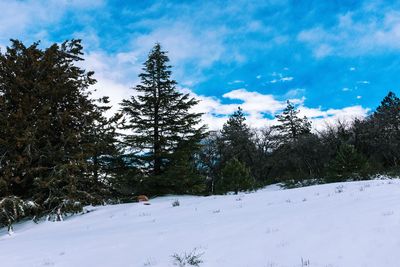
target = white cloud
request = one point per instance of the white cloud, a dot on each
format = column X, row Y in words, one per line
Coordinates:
column 355, row 37
column 182, row 43
column 363, row 82
column 256, row 105
column 115, row 75
column 323, row 50
column 31, row 18
column 236, row 82
column 293, row 93
column 185, row 45
column 282, row 79
column 321, row 118
column 286, row 79
column 254, row 102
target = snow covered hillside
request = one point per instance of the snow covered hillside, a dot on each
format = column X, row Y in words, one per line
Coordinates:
column 346, row 224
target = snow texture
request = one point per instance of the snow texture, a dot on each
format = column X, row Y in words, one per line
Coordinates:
column 353, row 224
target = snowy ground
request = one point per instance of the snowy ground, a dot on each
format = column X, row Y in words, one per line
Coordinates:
column 348, row 224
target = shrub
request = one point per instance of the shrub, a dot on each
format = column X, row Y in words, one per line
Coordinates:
column 13, row 208
column 188, row 259
column 235, row 177
column 176, row 203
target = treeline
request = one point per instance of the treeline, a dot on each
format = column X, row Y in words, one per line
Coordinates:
column 291, row 154
column 59, row 152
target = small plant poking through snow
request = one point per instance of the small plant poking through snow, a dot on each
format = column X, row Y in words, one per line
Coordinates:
column 305, row 262
column 176, row 203
column 150, row 262
column 188, row 259
column 388, row 213
column 339, row 189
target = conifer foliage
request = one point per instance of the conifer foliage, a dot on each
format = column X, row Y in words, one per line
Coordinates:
column 236, row 138
column 159, row 118
column 379, row 135
column 236, row 177
column 347, row 164
column 49, row 127
column 291, row 126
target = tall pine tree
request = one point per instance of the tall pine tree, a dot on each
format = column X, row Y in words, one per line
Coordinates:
column 159, row 117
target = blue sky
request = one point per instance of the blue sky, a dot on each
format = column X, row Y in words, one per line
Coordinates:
column 334, row 59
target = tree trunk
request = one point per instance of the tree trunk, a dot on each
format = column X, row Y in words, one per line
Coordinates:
column 156, row 144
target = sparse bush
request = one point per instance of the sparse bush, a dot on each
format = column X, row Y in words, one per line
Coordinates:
column 150, row 262
column 339, row 189
column 13, row 208
column 292, row 183
column 176, row 203
column 305, row 262
column 66, row 207
column 188, row 259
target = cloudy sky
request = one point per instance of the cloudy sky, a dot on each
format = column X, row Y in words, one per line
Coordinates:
column 334, row 59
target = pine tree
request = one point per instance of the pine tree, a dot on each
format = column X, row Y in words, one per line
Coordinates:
column 47, row 126
column 389, row 110
column 379, row 135
column 236, row 139
column 159, row 117
column 183, row 172
column 102, row 140
column 291, row 126
column 387, row 124
column 235, row 177
column 347, row 164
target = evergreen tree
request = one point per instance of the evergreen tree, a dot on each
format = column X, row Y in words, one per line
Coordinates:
column 236, row 139
column 348, row 164
column 183, row 174
column 47, row 126
column 235, row 177
column 379, row 135
column 159, row 117
column 291, row 126
column 102, row 140
column 293, row 159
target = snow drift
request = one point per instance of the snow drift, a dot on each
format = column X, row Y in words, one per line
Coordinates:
column 344, row 224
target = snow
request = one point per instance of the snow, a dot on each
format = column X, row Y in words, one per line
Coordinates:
column 346, row 224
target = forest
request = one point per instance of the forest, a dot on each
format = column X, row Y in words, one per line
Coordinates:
column 59, row 151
